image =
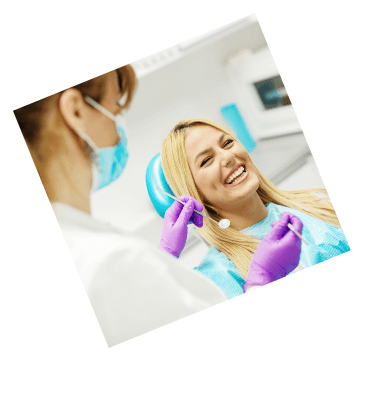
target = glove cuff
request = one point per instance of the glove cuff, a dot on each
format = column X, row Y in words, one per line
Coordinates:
column 259, row 278
column 168, row 250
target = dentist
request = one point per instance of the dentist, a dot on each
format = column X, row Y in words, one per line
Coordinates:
column 78, row 145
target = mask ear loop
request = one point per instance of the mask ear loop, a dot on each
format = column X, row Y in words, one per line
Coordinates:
column 91, row 151
column 87, row 139
column 90, row 142
column 103, row 110
column 99, row 107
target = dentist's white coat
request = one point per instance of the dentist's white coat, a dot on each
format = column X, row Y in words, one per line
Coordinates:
column 133, row 287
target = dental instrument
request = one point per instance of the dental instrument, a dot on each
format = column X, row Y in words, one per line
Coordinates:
column 223, row 223
column 290, row 226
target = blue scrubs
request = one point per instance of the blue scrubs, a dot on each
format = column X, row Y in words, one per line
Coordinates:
column 325, row 242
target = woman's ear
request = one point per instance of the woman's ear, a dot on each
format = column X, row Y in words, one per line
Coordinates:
column 72, row 107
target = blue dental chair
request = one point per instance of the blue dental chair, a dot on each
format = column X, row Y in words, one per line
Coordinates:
column 155, row 178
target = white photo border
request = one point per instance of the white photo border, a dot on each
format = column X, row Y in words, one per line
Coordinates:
column 219, row 328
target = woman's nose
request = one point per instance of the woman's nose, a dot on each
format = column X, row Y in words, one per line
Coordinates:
column 228, row 158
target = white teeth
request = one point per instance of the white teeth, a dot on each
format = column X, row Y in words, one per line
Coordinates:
column 234, row 175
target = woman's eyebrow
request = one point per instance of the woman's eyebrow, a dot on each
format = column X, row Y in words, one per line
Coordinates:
column 221, row 137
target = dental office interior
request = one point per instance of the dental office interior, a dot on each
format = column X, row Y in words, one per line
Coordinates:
column 228, row 76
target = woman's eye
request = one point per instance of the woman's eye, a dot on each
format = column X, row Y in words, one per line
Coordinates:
column 205, row 161
column 228, row 142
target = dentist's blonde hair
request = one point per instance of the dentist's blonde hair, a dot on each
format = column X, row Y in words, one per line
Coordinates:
column 239, row 248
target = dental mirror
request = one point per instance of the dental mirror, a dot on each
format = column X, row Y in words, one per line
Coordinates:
column 223, row 223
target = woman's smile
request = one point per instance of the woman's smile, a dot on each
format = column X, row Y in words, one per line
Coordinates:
column 236, row 176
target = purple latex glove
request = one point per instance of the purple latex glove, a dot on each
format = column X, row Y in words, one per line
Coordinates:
column 278, row 253
column 175, row 225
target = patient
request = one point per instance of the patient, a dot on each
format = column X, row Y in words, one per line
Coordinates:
column 205, row 160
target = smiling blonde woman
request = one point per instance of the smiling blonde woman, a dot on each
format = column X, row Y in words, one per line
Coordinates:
column 204, row 160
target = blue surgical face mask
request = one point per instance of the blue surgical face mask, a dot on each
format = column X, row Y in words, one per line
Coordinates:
column 107, row 163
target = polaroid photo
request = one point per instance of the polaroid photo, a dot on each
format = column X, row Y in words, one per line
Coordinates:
column 231, row 71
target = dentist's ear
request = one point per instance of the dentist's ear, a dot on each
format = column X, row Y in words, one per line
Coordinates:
column 72, row 109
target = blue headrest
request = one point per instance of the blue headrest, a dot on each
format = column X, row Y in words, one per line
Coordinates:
column 155, row 178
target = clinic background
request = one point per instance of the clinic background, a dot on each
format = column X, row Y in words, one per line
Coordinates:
column 217, row 75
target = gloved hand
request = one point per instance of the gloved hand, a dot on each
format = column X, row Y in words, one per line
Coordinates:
column 278, row 253
column 175, row 225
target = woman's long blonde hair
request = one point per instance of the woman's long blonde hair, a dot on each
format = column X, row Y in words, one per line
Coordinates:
column 238, row 247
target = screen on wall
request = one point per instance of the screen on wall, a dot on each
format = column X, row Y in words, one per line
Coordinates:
column 272, row 93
